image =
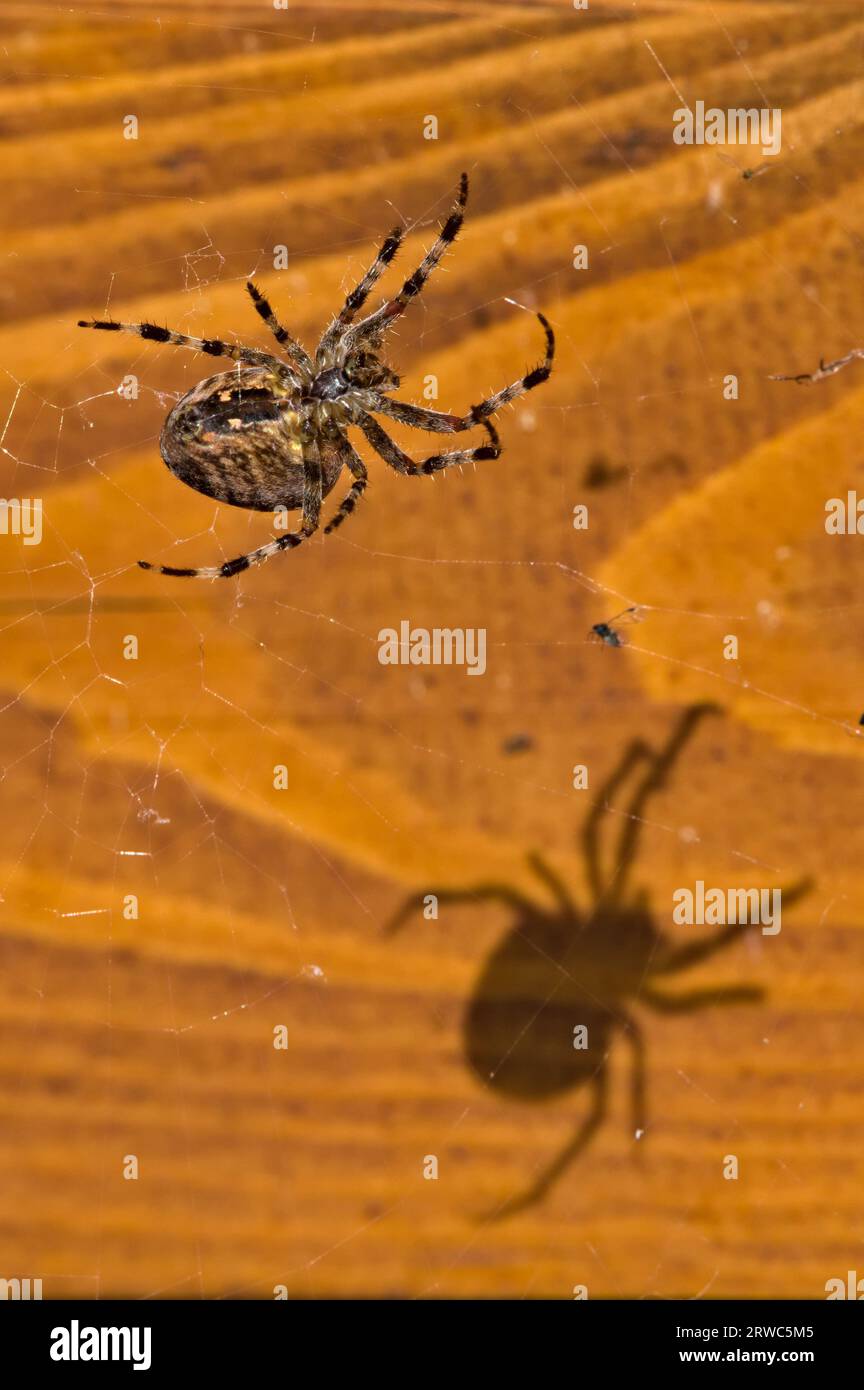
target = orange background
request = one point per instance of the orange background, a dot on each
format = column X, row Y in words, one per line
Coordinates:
column 154, row 777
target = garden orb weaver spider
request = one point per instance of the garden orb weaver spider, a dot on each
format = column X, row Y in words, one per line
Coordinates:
column 272, row 434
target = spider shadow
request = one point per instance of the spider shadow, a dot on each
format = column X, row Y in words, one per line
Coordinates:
column 554, row 994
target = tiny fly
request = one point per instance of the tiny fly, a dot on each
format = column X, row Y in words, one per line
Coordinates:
column 605, row 632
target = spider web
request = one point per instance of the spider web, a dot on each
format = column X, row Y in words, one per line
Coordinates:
column 146, row 783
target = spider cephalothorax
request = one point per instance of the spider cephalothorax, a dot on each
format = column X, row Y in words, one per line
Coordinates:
column 365, row 370
column 360, row 372
column 270, row 435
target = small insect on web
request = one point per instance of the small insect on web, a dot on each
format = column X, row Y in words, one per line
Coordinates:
column 606, row 632
column 824, row 370
column 273, row 434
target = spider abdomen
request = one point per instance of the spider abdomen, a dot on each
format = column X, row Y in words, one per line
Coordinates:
column 237, row 437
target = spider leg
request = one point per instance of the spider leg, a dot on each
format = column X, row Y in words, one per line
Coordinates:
column 444, row 424
column 480, row 893
column 700, row 998
column 553, row 883
column 214, row 346
column 660, row 765
column 682, row 957
column 392, row 454
column 294, row 350
column 553, row 1171
column 601, row 882
column 637, row 1089
column 358, row 487
column 535, row 377
column 358, row 296
column 612, row 885
column 434, row 421
column 312, row 491
column 383, row 317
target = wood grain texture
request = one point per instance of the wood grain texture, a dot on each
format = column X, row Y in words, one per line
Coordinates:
column 154, row 777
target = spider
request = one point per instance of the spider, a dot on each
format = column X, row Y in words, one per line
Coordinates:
column 272, row 435
column 558, row 967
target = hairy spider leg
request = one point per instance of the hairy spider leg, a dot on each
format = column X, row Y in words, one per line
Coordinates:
column 214, row 347
column 358, row 487
column 392, row 454
column 383, row 317
column 358, row 296
column 437, row 422
column 294, row 349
